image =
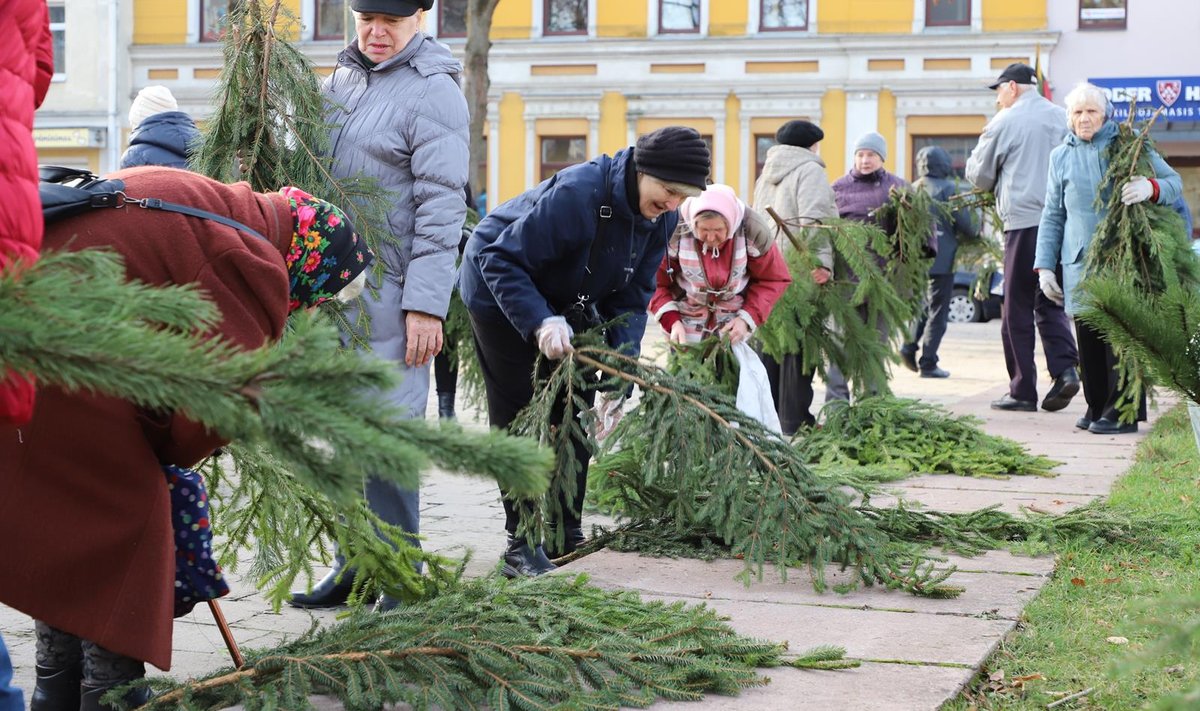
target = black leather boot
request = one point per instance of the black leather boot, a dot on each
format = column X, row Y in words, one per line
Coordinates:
column 523, row 561
column 446, row 406
column 330, row 592
column 57, row 688
column 573, row 539
column 89, row 700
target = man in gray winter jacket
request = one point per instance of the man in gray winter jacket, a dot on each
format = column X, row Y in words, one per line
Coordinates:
column 1011, row 160
column 400, row 117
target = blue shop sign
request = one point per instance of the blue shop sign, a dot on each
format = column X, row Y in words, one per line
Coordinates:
column 1179, row 97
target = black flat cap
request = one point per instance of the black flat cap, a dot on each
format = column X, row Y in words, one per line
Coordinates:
column 400, row 8
column 1020, row 73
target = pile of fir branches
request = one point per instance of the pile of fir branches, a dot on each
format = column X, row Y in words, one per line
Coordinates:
column 549, row 642
column 877, row 287
column 705, row 469
column 884, row 437
column 1142, row 278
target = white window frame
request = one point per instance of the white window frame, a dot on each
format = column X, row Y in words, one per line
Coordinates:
column 754, row 21
column 539, row 22
column 652, row 21
column 59, row 27
column 919, row 19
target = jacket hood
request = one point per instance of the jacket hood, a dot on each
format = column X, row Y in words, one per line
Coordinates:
column 1101, row 137
column 933, row 162
column 172, row 130
column 783, row 160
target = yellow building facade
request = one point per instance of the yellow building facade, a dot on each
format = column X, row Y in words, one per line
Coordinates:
column 574, row 78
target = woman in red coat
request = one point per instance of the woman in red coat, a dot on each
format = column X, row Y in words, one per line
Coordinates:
column 722, row 272
column 26, row 66
column 85, row 529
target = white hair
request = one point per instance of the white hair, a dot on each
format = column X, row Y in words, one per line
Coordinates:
column 1085, row 94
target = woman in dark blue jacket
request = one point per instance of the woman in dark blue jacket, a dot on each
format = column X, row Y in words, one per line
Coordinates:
column 161, row 134
column 579, row 249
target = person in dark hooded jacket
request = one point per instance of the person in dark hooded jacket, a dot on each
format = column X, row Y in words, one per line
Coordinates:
column 581, row 248
column 161, row 134
column 936, row 177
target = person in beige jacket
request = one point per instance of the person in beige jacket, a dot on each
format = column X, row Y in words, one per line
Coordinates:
column 794, row 183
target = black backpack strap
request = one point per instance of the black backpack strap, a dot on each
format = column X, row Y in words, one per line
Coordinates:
column 603, row 215
column 583, row 313
column 157, row 204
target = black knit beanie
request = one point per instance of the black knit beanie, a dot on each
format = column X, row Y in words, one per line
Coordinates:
column 799, row 133
column 675, row 154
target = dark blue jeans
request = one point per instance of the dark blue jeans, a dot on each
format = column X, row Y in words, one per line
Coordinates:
column 10, row 696
column 930, row 326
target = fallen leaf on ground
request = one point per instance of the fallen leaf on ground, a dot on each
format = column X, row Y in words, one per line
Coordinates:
column 1078, row 582
column 1117, row 640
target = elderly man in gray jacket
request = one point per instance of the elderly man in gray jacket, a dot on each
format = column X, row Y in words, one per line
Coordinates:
column 400, row 117
column 1011, row 160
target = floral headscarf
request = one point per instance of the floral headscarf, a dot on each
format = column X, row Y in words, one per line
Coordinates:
column 325, row 255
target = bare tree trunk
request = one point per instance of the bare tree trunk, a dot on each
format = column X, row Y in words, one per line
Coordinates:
column 479, row 43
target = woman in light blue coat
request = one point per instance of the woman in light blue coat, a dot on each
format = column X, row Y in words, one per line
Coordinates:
column 1069, row 221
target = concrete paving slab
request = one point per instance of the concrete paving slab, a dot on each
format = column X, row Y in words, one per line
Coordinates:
column 1096, row 484
column 962, row 501
column 987, row 594
column 878, row 687
column 1003, row 562
column 866, row 634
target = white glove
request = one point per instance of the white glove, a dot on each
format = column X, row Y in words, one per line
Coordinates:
column 1049, row 284
column 609, row 410
column 1136, row 190
column 554, row 337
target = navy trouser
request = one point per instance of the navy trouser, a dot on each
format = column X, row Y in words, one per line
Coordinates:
column 10, row 696
column 792, row 389
column 1025, row 306
column 507, row 361
column 931, row 324
column 1098, row 371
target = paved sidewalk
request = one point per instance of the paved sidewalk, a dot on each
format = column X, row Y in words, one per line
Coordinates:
column 920, row 652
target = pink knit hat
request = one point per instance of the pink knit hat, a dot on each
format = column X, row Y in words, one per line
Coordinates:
column 718, row 198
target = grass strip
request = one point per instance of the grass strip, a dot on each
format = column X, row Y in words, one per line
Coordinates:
column 1099, row 623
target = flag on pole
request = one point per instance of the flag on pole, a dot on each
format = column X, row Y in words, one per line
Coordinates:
column 1043, row 85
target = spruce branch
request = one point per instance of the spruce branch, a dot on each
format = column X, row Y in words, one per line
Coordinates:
column 80, row 325
column 685, row 441
column 553, row 641
column 1144, row 248
column 892, row 435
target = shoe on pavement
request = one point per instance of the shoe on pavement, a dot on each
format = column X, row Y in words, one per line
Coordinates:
column 1084, row 423
column 1010, row 403
column 524, row 561
column 1065, row 387
column 935, row 373
column 1107, row 426
column 330, row 592
column 909, row 358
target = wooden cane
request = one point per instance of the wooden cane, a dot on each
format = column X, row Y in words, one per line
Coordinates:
column 226, row 634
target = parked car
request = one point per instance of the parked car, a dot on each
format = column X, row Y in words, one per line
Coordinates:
column 965, row 308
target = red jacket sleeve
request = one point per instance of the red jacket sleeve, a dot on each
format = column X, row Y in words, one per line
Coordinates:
column 665, row 293
column 769, row 277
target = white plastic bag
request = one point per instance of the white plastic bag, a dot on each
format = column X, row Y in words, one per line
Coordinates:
column 754, row 389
